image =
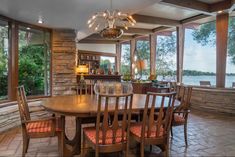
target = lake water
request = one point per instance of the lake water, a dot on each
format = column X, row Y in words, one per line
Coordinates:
column 194, row 80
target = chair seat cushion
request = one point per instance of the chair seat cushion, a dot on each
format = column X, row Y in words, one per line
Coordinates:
column 41, row 126
column 178, row 118
column 90, row 133
column 136, row 130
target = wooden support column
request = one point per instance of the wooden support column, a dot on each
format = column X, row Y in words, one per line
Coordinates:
column 132, row 49
column 180, row 52
column 13, row 61
column 118, row 58
column 152, row 39
column 221, row 48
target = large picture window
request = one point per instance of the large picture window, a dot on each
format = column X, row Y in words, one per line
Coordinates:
column 107, row 64
column 34, row 61
column 125, row 59
column 143, row 53
column 200, row 54
column 230, row 67
column 166, row 56
column 3, row 60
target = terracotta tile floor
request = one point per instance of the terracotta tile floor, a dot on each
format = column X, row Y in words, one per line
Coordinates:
column 208, row 135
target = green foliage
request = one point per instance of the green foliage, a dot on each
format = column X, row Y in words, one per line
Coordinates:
column 105, row 65
column 143, row 53
column 32, row 69
column 3, row 63
column 206, row 34
column 126, row 60
column 166, row 55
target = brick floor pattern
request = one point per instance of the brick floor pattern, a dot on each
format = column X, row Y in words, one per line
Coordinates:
column 208, row 135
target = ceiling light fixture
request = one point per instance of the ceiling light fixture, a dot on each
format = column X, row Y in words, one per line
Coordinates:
column 219, row 12
column 111, row 22
column 40, row 20
column 28, row 28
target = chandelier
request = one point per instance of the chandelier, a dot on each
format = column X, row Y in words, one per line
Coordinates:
column 110, row 24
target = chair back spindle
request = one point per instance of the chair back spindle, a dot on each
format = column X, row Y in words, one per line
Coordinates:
column 22, row 104
column 111, row 108
column 161, row 126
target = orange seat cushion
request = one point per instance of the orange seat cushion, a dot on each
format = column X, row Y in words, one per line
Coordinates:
column 90, row 133
column 178, row 118
column 40, row 127
column 136, row 130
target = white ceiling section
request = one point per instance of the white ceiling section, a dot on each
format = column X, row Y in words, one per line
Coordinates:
column 66, row 13
column 169, row 12
column 107, row 48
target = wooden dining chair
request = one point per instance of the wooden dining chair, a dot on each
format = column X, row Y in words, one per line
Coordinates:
column 180, row 114
column 151, row 131
column 111, row 135
column 47, row 127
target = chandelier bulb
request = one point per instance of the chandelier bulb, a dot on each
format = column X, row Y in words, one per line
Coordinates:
column 119, row 13
column 93, row 17
column 89, row 21
column 90, row 25
column 126, row 27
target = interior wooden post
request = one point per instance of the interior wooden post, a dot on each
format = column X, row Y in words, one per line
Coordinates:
column 118, row 58
column 13, row 61
column 132, row 49
column 152, row 39
column 180, row 52
column 221, row 48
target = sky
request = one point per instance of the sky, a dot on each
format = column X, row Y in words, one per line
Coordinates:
column 201, row 58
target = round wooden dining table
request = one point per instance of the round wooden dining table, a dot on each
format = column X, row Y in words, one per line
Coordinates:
column 85, row 107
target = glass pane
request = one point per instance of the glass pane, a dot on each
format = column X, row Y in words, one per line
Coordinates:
column 230, row 67
column 107, row 64
column 166, row 56
column 34, row 61
column 125, row 59
column 143, row 53
column 3, row 60
column 200, row 54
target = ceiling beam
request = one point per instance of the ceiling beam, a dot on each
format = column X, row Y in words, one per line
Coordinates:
column 97, row 36
column 190, row 4
column 205, row 8
column 194, row 18
column 93, row 41
column 155, row 20
column 221, row 6
column 132, row 30
column 159, row 29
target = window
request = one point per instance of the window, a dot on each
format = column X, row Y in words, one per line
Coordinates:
column 107, row 63
column 34, row 61
column 125, row 59
column 3, row 60
column 200, row 54
column 143, row 53
column 166, row 55
column 230, row 67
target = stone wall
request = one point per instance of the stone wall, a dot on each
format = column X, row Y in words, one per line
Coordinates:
column 63, row 62
column 10, row 116
column 213, row 100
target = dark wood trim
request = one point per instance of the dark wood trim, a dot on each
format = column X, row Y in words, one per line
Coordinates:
column 142, row 31
column 159, row 29
column 132, row 61
column 194, row 18
column 221, row 6
column 98, row 37
column 189, row 4
column 155, row 20
column 97, row 53
column 153, row 44
column 94, row 41
column 221, row 48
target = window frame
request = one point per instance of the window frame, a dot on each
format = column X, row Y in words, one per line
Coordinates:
column 13, row 29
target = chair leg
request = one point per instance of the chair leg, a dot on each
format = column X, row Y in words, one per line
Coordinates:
column 25, row 145
column 61, row 144
column 83, row 145
column 171, row 131
column 142, row 149
column 185, row 134
column 166, row 152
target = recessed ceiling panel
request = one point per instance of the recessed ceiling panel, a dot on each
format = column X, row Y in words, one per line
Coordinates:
column 169, row 12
